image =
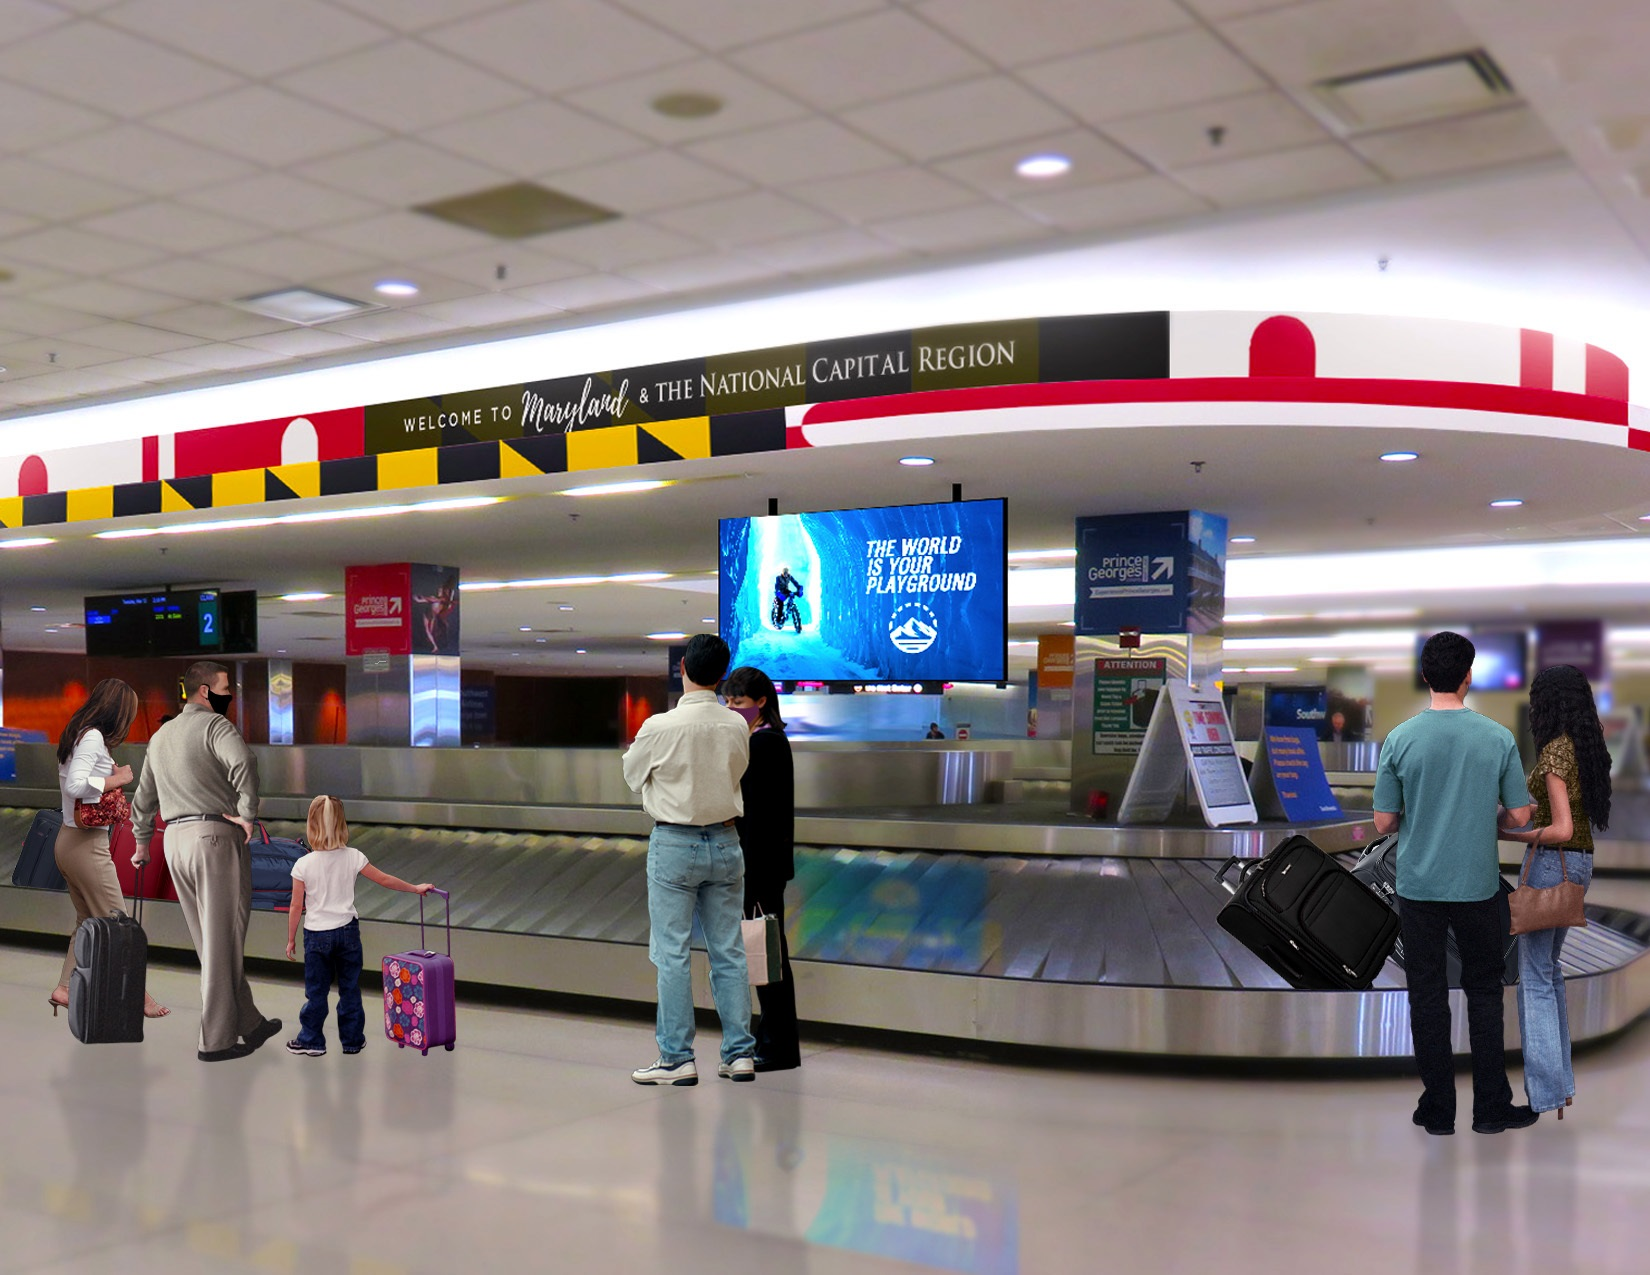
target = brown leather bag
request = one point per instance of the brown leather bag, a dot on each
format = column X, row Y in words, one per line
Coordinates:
column 1556, row 907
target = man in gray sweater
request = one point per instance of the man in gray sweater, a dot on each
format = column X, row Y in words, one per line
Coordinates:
column 203, row 780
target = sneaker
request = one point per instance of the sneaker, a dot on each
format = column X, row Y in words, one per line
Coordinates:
column 262, row 1032
column 1512, row 1118
column 738, row 1069
column 308, row 1051
column 353, row 1049
column 663, row 1073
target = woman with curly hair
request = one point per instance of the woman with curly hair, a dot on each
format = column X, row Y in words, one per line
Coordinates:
column 1571, row 789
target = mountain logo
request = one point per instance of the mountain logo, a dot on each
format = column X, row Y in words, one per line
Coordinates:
column 913, row 628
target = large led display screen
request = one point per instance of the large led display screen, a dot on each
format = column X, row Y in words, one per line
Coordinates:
column 908, row 593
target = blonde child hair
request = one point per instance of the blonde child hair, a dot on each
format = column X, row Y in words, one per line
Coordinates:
column 327, row 829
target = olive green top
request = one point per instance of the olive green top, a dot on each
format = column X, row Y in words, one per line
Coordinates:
column 1559, row 758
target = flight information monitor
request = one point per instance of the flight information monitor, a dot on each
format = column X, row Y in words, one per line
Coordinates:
column 179, row 622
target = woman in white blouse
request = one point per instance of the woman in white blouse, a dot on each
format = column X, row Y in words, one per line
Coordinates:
column 85, row 771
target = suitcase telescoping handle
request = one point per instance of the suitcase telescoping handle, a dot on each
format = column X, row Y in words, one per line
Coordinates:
column 422, row 945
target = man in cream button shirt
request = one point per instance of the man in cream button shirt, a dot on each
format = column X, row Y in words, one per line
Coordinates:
column 687, row 764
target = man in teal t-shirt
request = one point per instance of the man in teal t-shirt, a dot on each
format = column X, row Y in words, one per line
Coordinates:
column 1443, row 776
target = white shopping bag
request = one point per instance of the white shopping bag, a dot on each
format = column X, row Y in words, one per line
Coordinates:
column 761, row 935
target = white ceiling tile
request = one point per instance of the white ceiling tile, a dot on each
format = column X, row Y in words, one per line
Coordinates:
column 363, row 284
column 1325, row 38
column 147, row 160
column 260, row 121
column 255, row 40
column 133, row 338
column 302, row 343
column 27, row 392
column 15, row 224
column 222, row 357
column 145, row 370
column 65, row 385
column 1136, row 201
column 57, row 352
column 483, row 310
column 175, row 227
column 1013, row 34
column 292, row 260
column 982, row 226
column 106, row 300
column 521, row 267
column 404, row 236
column 744, row 219
column 587, row 292
column 417, row 15
column 19, row 314
column 860, row 60
column 20, row 19
column 28, row 277
column 402, row 172
column 391, row 325
column 536, row 137
column 642, row 183
column 98, row 66
column 1251, row 124
column 1220, row 9
column 1451, row 146
column 613, row 245
column 830, row 250
column 1093, row 159
column 280, row 201
column 404, row 86
column 33, row 119
column 692, row 274
column 65, row 248
column 879, row 196
column 1308, row 170
column 1147, row 75
column 556, row 45
column 213, row 323
column 746, row 103
column 195, row 280
column 793, row 152
column 54, row 195
column 959, row 117
column 724, row 24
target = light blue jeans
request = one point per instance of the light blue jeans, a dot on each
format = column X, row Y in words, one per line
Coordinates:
column 1543, row 1016
column 703, row 870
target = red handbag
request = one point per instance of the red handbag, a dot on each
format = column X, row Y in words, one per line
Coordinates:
column 107, row 811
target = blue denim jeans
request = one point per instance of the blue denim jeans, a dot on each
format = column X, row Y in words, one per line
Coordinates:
column 698, row 870
column 1543, row 1015
column 333, row 956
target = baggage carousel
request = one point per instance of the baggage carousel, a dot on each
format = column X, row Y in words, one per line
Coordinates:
column 1105, row 942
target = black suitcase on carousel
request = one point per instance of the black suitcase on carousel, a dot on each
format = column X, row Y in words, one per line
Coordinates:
column 37, row 864
column 1309, row 918
column 106, row 986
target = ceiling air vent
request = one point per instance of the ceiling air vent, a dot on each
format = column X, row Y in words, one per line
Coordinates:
column 303, row 305
column 1435, row 89
column 517, row 211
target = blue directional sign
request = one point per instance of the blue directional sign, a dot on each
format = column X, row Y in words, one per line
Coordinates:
column 1156, row 572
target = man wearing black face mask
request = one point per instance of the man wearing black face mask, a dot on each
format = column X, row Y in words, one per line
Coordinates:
column 203, row 780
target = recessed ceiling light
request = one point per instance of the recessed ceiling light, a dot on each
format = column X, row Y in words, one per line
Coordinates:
column 305, row 597
column 541, row 639
column 687, row 105
column 664, row 637
column 1396, row 457
column 303, row 305
column 396, row 288
column 51, row 630
column 1042, row 167
column 516, row 210
column 709, row 619
column 37, row 608
column 31, row 542
column 620, row 489
column 1508, row 502
column 527, row 628
column 916, row 460
column 581, row 651
column 1243, row 540
column 564, row 607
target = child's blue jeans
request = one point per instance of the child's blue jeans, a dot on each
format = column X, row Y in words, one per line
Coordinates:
column 333, row 956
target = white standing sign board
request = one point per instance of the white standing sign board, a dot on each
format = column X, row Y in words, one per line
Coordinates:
column 1189, row 732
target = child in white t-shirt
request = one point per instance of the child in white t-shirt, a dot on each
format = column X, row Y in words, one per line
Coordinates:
column 323, row 894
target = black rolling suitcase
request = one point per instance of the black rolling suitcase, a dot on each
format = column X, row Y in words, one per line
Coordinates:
column 37, row 866
column 1309, row 918
column 106, row 986
column 1377, row 868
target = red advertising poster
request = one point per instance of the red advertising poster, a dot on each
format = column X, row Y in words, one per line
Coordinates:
column 378, row 609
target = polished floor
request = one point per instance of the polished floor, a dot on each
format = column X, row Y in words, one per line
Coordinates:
column 529, row 1149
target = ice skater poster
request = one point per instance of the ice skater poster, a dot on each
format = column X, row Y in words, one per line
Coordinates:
column 434, row 610
column 908, row 593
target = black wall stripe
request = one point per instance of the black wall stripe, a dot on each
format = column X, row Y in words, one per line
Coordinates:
column 136, row 500
column 472, row 464
column 547, row 451
column 745, row 432
column 355, row 473
column 197, row 490
column 51, row 507
column 1104, row 347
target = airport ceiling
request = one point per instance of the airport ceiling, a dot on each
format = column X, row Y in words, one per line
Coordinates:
column 1332, row 495
column 160, row 159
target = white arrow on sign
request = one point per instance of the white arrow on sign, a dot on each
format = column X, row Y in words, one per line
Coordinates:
column 1162, row 567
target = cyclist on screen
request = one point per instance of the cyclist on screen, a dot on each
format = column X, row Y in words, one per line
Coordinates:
column 786, row 590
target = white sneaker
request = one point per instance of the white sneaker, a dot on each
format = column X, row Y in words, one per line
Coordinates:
column 738, row 1069
column 661, row 1073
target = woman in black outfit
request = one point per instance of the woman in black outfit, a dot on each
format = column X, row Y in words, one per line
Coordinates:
column 766, row 830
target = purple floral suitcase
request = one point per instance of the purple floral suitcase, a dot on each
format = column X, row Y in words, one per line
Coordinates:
column 419, row 1005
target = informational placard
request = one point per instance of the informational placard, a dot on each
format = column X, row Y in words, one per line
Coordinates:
column 1289, row 780
column 1576, row 642
column 10, row 738
column 1155, row 572
column 378, row 609
column 1125, row 693
column 1189, row 734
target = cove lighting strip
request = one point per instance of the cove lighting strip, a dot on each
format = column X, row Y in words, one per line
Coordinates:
column 563, row 582
column 288, row 520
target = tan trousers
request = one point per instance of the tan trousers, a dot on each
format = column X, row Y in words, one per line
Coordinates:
column 82, row 856
column 212, row 869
